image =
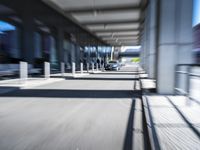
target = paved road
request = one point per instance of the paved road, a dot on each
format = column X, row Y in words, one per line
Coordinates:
column 95, row 112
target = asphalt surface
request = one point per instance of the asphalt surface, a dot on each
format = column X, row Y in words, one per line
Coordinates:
column 95, row 112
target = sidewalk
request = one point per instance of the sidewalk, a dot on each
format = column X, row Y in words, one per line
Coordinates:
column 173, row 122
column 14, row 84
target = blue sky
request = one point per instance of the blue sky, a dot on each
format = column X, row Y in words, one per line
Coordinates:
column 196, row 12
column 6, row 26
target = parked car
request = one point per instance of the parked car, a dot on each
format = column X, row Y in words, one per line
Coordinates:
column 113, row 65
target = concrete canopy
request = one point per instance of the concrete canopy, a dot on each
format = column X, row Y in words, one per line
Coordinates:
column 117, row 22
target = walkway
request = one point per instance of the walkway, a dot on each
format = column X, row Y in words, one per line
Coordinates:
column 173, row 122
column 96, row 112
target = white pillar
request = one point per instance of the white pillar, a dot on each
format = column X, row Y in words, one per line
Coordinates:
column 92, row 67
column 46, row 70
column 62, row 68
column 23, row 71
column 88, row 67
column 175, row 41
column 81, row 68
column 97, row 66
column 73, row 68
column 102, row 67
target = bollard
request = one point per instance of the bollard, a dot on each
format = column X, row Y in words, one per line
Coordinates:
column 88, row 67
column 46, row 70
column 73, row 69
column 92, row 67
column 23, row 71
column 97, row 66
column 81, row 68
column 102, row 67
column 63, row 69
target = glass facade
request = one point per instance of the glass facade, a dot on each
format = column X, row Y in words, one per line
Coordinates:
column 9, row 43
column 196, row 30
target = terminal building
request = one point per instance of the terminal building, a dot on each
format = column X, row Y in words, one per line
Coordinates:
column 101, row 49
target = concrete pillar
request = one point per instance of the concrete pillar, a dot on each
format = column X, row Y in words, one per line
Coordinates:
column 46, row 70
column 23, row 71
column 145, row 41
column 152, row 37
column 175, row 41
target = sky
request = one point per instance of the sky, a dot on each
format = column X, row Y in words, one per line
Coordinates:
column 6, row 26
column 196, row 12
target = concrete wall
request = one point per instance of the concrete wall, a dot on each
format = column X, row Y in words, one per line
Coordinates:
column 167, row 40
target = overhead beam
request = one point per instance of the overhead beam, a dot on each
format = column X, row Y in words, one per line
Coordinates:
column 115, row 30
column 119, row 36
column 103, row 9
column 110, row 22
column 131, row 37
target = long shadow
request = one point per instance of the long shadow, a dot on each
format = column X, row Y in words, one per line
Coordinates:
column 151, row 125
column 71, row 93
column 128, row 141
column 184, row 118
column 97, row 78
column 117, row 73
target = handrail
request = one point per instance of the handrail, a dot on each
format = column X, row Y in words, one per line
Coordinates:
column 188, row 74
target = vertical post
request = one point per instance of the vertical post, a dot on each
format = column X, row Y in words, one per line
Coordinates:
column 81, row 68
column 102, row 67
column 92, row 67
column 46, row 70
column 73, row 68
column 176, row 78
column 62, row 68
column 88, row 67
column 97, row 66
column 188, row 81
column 23, row 71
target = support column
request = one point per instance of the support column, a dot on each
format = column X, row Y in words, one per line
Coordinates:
column 175, row 41
column 152, row 37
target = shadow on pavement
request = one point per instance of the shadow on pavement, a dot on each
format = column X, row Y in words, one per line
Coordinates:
column 128, row 141
column 71, row 93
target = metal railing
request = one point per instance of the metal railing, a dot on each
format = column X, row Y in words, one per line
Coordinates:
column 183, row 75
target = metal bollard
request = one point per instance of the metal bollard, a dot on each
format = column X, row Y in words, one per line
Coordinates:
column 46, row 70
column 92, row 67
column 88, row 67
column 62, row 68
column 81, row 68
column 73, row 69
column 97, row 66
column 23, row 71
